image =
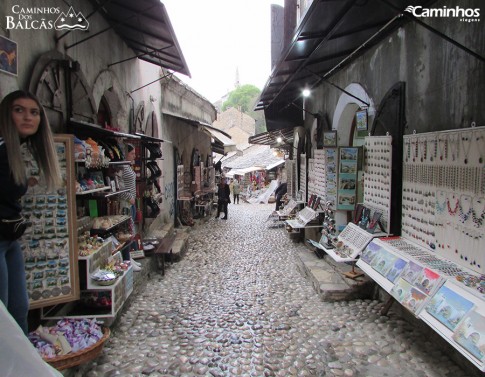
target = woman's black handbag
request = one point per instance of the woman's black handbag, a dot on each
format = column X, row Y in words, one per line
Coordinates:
column 13, row 229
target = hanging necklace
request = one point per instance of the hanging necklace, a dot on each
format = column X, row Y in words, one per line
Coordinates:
column 453, row 211
column 423, row 150
column 463, row 202
column 478, row 220
column 481, row 146
column 434, row 148
column 440, row 207
column 454, row 146
column 467, row 143
column 408, row 153
column 415, row 152
column 443, row 146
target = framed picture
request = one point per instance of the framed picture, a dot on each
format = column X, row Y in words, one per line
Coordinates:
column 8, row 56
column 361, row 120
column 330, row 138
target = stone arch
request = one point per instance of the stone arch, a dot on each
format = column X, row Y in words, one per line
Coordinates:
column 344, row 113
column 107, row 86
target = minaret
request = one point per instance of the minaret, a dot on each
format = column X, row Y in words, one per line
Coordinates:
column 236, row 83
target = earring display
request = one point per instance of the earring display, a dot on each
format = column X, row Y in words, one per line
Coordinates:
column 316, row 174
column 303, row 163
column 377, row 177
column 290, row 167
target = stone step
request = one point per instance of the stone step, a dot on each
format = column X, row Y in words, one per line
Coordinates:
column 328, row 279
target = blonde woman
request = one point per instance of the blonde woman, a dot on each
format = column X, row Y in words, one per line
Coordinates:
column 22, row 121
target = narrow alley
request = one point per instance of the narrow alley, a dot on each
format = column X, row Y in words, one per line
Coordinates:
column 236, row 305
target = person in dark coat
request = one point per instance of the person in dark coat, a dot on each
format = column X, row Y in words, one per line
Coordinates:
column 279, row 193
column 224, row 198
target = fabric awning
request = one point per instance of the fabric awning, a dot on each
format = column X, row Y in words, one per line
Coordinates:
column 221, row 141
column 330, row 36
column 145, row 27
column 272, row 166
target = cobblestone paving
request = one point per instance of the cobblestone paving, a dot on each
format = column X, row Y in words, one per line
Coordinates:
column 237, row 306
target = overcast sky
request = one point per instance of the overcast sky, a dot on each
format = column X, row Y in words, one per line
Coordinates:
column 219, row 36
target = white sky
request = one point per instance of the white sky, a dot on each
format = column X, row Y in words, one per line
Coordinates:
column 219, row 36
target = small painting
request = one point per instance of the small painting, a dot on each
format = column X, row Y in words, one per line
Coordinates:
column 330, row 139
column 361, row 120
column 8, row 56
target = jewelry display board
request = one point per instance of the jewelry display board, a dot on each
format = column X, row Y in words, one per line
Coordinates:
column 444, row 194
column 330, row 157
column 350, row 243
column 448, row 297
column 316, row 174
column 302, row 218
column 303, row 175
column 50, row 244
column 347, row 178
column 377, row 177
column 290, row 167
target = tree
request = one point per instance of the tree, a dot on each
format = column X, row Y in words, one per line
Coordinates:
column 245, row 97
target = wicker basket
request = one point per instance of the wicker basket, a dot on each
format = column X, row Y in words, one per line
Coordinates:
column 80, row 357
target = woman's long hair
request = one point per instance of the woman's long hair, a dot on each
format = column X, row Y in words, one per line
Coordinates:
column 41, row 144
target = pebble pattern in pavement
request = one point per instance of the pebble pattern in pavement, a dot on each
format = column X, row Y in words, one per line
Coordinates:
column 236, row 305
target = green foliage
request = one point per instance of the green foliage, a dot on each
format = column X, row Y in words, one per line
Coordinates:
column 242, row 97
column 245, row 97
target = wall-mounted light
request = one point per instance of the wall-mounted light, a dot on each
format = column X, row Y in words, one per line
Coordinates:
column 279, row 139
column 306, row 92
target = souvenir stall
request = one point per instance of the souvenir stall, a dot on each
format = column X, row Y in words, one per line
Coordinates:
column 436, row 268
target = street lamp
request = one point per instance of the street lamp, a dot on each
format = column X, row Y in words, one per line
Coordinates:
column 306, row 92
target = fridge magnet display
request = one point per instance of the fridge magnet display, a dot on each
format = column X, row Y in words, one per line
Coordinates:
column 448, row 307
column 347, row 178
column 330, row 138
column 8, row 56
column 50, row 244
column 470, row 333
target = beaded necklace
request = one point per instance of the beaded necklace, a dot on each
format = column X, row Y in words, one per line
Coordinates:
column 453, row 211
column 465, row 215
column 478, row 220
column 440, row 207
column 443, row 146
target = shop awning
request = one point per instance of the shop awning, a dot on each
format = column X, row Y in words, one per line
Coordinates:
column 330, row 35
column 275, row 164
column 221, row 142
column 145, row 27
column 271, row 138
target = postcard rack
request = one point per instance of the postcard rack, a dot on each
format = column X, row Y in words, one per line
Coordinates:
column 448, row 297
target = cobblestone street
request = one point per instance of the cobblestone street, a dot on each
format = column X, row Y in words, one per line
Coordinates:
column 236, row 305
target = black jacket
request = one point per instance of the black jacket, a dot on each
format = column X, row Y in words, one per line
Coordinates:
column 10, row 193
column 281, row 190
column 223, row 193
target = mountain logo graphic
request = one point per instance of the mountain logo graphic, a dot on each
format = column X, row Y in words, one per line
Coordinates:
column 410, row 9
column 71, row 21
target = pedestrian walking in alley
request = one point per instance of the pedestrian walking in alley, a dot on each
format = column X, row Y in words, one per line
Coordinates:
column 224, row 198
column 236, row 190
column 279, row 193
